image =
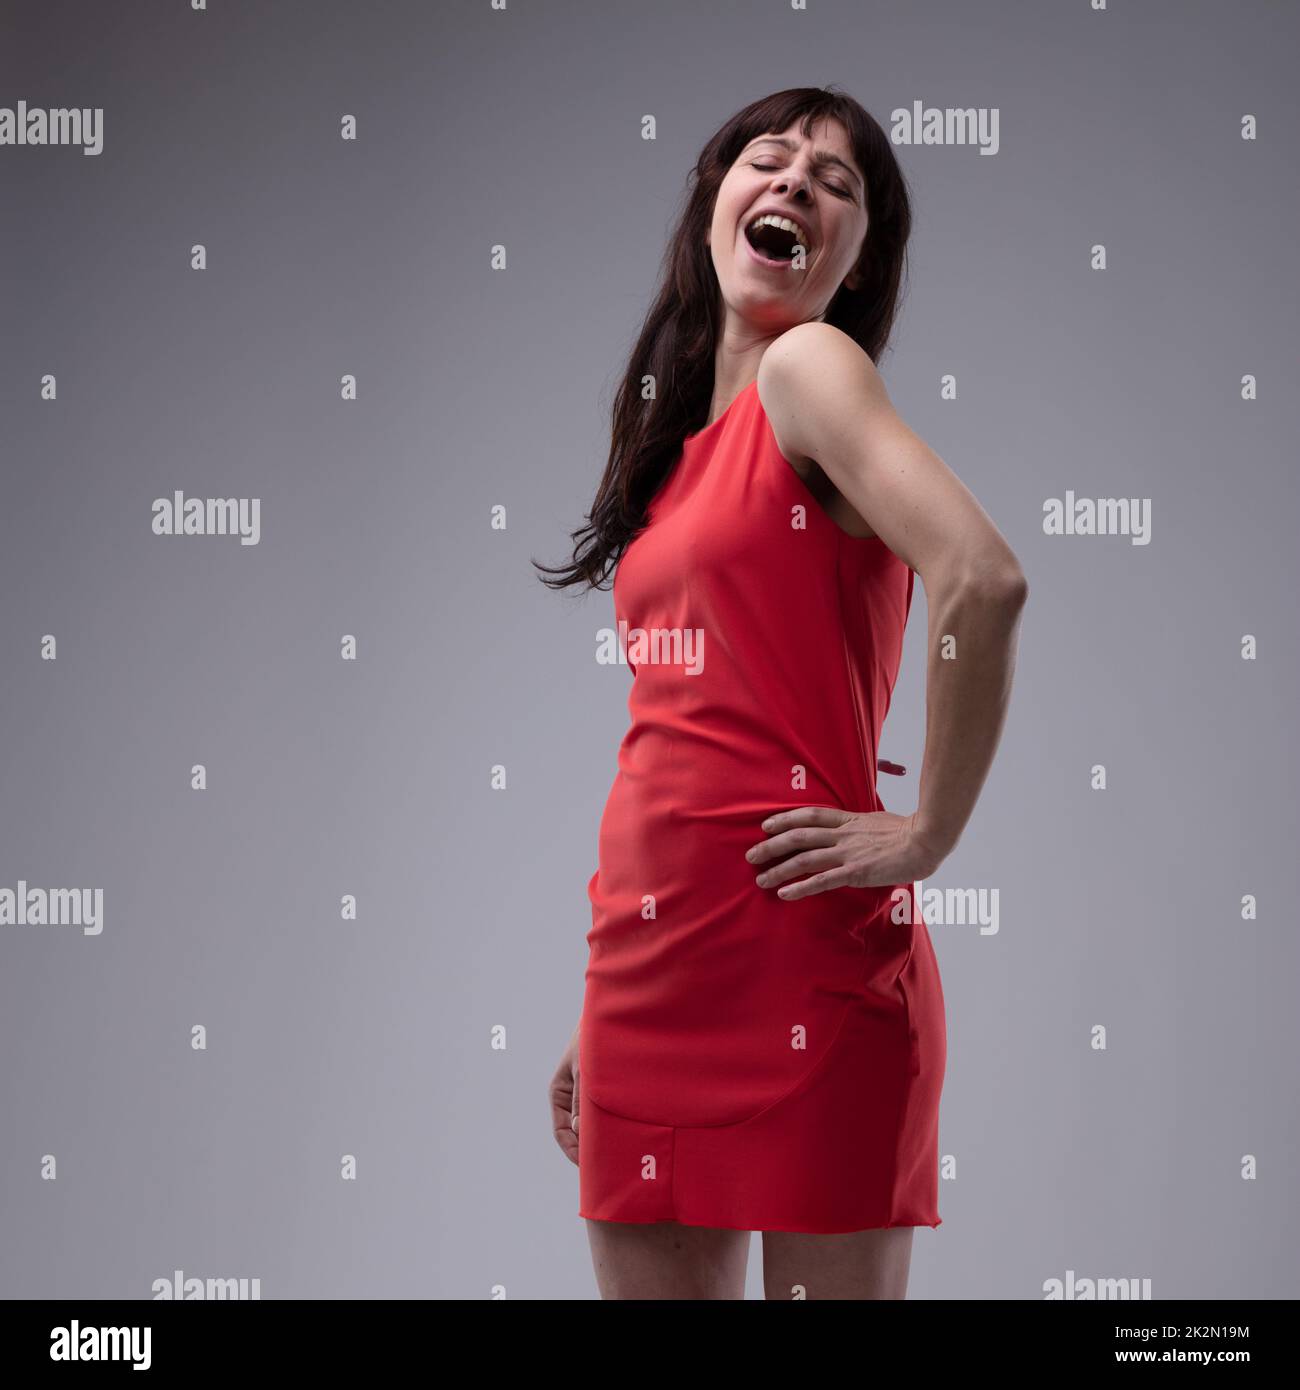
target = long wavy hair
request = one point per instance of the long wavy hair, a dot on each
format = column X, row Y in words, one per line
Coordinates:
column 674, row 355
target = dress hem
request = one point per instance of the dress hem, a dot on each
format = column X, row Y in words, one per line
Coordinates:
column 820, row 1230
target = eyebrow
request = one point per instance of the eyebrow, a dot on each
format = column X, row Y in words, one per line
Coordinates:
column 820, row 157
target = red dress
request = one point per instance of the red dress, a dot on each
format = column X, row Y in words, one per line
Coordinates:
column 748, row 1062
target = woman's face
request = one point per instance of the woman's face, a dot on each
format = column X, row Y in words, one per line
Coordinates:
column 812, row 181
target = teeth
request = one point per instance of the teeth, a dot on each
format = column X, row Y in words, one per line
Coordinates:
column 770, row 220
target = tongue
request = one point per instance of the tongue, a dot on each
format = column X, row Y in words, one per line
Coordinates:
column 775, row 242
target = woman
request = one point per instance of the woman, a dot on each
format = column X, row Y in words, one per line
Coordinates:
column 762, row 1041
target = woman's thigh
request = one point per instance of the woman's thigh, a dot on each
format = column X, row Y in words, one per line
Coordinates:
column 665, row 1260
column 861, row 1264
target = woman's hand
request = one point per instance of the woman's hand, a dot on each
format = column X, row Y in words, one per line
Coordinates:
column 824, row 847
column 564, row 1099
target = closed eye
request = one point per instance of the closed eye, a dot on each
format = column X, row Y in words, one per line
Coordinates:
column 834, row 188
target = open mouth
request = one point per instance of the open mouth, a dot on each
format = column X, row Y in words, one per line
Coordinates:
column 776, row 239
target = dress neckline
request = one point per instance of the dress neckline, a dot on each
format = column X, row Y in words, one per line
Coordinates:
column 709, row 429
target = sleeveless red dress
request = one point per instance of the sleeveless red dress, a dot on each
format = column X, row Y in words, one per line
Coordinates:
column 748, row 1062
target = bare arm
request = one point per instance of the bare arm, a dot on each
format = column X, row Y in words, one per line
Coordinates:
column 971, row 657
column 827, row 402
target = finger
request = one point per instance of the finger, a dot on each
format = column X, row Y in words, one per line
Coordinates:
column 828, row 816
column 565, row 1136
column 561, row 1109
column 568, row 1142
column 789, row 842
column 577, row 1100
column 799, row 866
column 819, row 883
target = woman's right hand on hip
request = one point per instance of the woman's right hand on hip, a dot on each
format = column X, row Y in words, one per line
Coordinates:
column 564, row 1099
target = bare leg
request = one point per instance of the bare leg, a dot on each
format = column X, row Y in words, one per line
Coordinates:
column 861, row 1264
column 665, row 1260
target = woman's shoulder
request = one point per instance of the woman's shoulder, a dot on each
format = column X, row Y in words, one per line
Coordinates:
column 812, row 380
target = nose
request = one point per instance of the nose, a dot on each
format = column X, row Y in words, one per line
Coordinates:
column 794, row 183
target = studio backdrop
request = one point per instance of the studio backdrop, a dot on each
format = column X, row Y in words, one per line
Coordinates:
column 313, row 314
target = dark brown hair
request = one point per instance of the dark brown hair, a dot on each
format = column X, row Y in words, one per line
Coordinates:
column 677, row 343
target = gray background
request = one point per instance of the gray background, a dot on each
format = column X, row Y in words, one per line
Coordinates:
column 481, row 387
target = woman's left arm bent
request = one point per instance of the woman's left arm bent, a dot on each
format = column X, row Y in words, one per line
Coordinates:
column 827, row 404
